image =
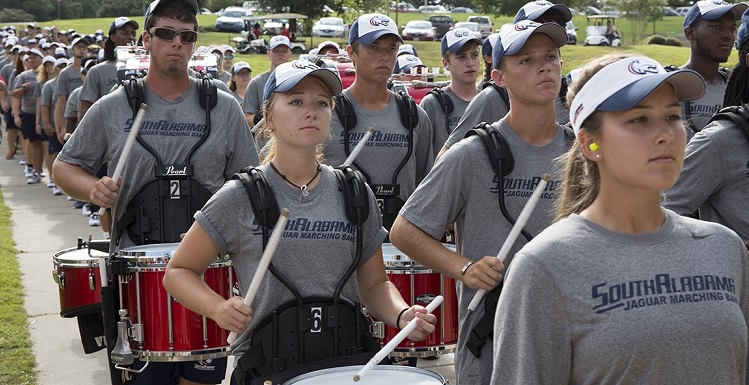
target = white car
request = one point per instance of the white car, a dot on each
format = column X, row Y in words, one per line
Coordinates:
column 330, row 27
column 232, row 19
column 471, row 26
column 419, row 30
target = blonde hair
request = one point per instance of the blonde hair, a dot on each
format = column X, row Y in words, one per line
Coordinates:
column 582, row 181
column 265, row 133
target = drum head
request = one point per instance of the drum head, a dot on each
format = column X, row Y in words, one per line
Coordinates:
column 75, row 257
column 158, row 255
column 379, row 375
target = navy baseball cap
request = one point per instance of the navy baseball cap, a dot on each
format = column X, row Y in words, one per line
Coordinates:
column 370, row 27
column 121, row 22
column 157, row 5
column 512, row 38
column 456, row 38
column 287, row 75
column 712, row 10
column 624, row 84
column 405, row 63
column 743, row 34
column 488, row 45
column 534, row 10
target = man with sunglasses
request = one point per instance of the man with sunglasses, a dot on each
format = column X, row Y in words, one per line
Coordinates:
column 175, row 134
column 489, row 105
column 228, row 57
column 221, row 74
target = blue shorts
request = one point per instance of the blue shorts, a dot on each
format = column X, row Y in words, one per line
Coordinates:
column 28, row 127
column 168, row 373
column 10, row 123
column 54, row 145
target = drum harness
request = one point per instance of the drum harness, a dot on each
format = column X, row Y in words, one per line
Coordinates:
column 503, row 162
column 387, row 195
column 297, row 337
column 177, row 193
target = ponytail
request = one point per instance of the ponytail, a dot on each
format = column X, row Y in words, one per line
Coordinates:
column 736, row 90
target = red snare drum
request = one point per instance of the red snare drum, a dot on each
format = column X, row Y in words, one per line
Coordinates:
column 419, row 286
column 164, row 330
column 76, row 272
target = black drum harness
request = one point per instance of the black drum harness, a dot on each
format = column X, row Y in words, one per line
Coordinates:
column 502, row 161
column 307, row 333
column 387, row 194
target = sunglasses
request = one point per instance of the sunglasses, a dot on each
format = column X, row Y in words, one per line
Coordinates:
column 229, row 57
column 168, row 34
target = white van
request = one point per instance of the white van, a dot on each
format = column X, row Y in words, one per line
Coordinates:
column 682, row 11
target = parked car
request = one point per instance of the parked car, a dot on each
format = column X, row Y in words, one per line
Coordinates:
column 419, row 30
column 471, row 26
column 484, row 22
column 571, row 33
column 232, row 19
column 669, row 12
column 592, row 11
column 462, row 10
column 432, row 9
column 403, row 7
column 330, row 27
column 205, row 11
column 682, row 11
column 442, row 24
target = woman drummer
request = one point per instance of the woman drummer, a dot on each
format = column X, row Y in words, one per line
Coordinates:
column 620, row 290
column 297, row 114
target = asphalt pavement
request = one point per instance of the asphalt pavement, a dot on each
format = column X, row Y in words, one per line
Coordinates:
column 44, row 225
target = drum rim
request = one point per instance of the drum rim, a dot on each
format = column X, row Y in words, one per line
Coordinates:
column 183, row 355
column 356, row 368
column 59, row 259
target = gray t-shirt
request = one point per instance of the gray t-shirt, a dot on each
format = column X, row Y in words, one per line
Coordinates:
column 432, row 106
column 585, row 305
column 28, row 100
column 715, row 178
column 67, row 80
column 71, row 105
column 386, row 148
column 5, row 73
column 171, row 127
column 701, row 110
column 49, row 99
column 317, row 246
column 224, row 77
column 253, row 96
column 100, row 80
column 462, row 189
column 488, row 106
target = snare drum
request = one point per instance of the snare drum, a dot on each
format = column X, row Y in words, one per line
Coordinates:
column 76, row 272
column 163, row 329
column 378, row 375
column 419, row 285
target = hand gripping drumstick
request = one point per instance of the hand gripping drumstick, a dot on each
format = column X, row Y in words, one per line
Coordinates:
column 513, row 236
column 358, row 148
column 128, row 145
column 388, row 348
column 262, row 268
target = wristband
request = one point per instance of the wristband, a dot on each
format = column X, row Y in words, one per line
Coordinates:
column 465, row 268
column 398, row 320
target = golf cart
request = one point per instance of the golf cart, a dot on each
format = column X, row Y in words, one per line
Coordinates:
column 247, row 44
column 595, row 32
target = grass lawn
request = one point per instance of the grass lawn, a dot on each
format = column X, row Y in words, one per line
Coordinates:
column 17, row 363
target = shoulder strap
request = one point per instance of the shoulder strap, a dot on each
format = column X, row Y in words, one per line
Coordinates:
column 262, row 198
column 207, row 90
column 724, row 73
column 569, row 133
column 407, row 110
column 355, row 196
column 737, row 115
column 501, row 91
column 497, row 148
column 345, row 111
column 135, row 92
column 443, row 99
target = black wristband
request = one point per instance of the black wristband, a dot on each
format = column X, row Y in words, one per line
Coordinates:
column 398, row 320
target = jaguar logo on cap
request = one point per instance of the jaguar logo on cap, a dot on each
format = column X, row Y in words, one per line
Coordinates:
column 525, row 24
column 461, row 33
column 643, row 67
column 379, row 21
column 543, row 3
column 304, row 65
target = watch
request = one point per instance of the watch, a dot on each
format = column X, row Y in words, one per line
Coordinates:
column 465, row 268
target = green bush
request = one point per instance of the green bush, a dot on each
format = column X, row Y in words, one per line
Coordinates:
column 672, row 41
column 656, row 39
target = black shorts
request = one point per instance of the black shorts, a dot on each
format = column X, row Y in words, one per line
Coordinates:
column 28, row 127
column 204, row 371
column 10, row 123
column 54, row 145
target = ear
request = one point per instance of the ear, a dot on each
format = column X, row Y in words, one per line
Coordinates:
column 746, row 59
column 585, row 139
column 689, row 32
column 499, row 77
column 146, row 37
column 445, row 64
column 350, row 50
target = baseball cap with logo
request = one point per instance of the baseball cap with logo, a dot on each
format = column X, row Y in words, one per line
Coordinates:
column 406, row 49
column 287, row 75
column 240, row 65
column 48, row 59
column 61, row 53
column 405, row 63
column 78, row 40
column 743, row 34
column 61, row 61
column 535, row 9
column 512, row 37
column 370, row 27
column 121, row 22
column 277, row 40
column 624, row 84
column 157, row 5
column 712, row 10
column 456, row 38
column 328, row 43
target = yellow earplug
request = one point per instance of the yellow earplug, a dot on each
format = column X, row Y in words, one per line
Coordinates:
column 593, row 147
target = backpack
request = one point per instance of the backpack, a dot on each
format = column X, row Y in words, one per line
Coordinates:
column 502, row 162
column 306, row 333
column 738, row 115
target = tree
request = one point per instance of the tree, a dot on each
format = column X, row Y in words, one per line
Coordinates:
column 640, row 13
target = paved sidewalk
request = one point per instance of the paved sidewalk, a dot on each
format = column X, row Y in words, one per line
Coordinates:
column 43, row 225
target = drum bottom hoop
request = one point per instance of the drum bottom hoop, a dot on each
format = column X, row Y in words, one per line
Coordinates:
column 421, row 352
column 94, row 308
column 182, row 356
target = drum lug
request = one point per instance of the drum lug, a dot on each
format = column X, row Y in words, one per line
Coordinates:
column 121, row 353
column 91, row 280
column 137, row 332
column 377, row 328
column 61, row 279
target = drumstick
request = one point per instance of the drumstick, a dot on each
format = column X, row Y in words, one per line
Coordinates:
column 388, row 348
column 513, row 236
column 262, row 268
column 358, row 148
column 128, row 145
